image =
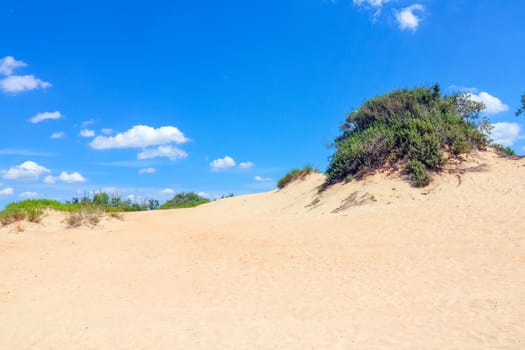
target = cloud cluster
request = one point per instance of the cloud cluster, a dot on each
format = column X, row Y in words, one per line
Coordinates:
column 228, row 162
column 155, row 142
column 74, row 177
column 140, row 136
column 18, row 83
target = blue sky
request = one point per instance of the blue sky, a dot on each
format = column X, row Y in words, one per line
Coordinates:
column 152, row 98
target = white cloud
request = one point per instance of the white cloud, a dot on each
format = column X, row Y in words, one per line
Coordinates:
column 131, row 197
column 505, row 133
column 147, row 171
column 71, row 178
column 222, row 163
column 262, row 179
column 8, row 64
column 406, row 17
column 204, row 194
column 140, row 136
column 28, row 194
column 26, row 170
column 493, row 105
column 107, row 131
column 57, row 135
column 87, row 133
column 167, row 192
column 246, row 165
column 19, row 83
column 168, row 151
column 6, row 191
column 45, row 116
column 65, row 177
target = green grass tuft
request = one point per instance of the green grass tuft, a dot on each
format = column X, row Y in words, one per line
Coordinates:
column 294, row 175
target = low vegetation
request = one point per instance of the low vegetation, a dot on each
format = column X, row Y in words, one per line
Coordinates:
column 294, row 175
column 416, row 128
column 184, row 200
column 89, row 210
column 506, row 151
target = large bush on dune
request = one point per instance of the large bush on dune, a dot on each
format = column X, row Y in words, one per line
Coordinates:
column 417, row 127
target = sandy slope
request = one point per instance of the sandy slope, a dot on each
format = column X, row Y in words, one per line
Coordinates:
column 392, row 267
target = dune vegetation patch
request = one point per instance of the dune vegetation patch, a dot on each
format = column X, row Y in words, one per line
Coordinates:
column 294, row 175
column 185, row 200
column 419, row 129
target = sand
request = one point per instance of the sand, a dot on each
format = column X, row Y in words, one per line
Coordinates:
column 372, row 264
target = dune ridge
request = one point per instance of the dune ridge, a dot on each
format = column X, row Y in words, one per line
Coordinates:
column 369, row 264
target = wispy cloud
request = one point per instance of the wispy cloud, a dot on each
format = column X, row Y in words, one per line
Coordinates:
column 58, row 135
column 262, row 179
column 25, row 152
column 168, row 151
column 88, row 122
column 246, row 165
column 45, row 116
column 7, row 191
column 87, row 133
column 167, row 192
column 147, row 171
column 28, row 194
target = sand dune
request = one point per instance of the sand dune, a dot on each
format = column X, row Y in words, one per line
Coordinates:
column 366, row 265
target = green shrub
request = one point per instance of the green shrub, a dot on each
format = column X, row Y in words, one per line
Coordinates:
column 404, row 126
column 295, row 174
column 419, row 175
column 184, row 200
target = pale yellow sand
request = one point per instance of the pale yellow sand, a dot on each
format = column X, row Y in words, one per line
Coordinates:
column 438, row 268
